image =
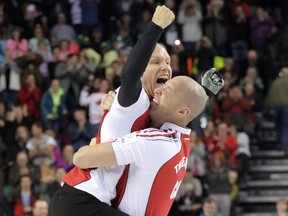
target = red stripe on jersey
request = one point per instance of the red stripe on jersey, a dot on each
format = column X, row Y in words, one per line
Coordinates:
column 98, row 138
column 167, row 182
column 141, row 122
column 76, row 176
column 158, row 134
column 120, row 188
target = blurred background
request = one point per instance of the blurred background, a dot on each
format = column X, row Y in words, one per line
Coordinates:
column 59, row 58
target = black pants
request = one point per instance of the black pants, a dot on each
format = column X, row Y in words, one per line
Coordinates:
column 69, row 201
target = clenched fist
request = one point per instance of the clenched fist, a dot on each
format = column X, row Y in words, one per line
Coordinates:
column 163, row 16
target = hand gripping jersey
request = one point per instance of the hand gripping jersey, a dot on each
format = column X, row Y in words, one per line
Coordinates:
column 158, row 161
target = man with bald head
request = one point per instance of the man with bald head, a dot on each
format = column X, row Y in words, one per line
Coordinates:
column 157, row 157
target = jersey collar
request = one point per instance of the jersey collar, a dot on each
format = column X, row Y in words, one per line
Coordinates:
column 168, row 125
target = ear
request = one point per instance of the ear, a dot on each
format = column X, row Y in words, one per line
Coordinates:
column 185, row 111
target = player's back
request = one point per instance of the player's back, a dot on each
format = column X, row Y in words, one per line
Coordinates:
column 157, row 170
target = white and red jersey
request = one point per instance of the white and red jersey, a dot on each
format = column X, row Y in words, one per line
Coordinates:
column 92, row 100
column 158, row 161
column 119, row 121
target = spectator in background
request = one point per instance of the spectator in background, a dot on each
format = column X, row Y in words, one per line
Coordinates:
column 146, row 16
column 256, row 99
column 21, row 168
column 218, row 182
column 9, row 80
column 97, row 40
column 40, row 208
column 56, row 59
column 7, row 131
column 277, row 99
column 25, row 197
column 65, row 159
column 47, row 176
column 229, row 71
column 204, row 57
column 236, row 109
column 210, row 208
column 72, row 75
column 38, row 36
column 197, row 158
column 80, row 132
column 173, row 31
column 50, row 180
column 262, row 31
column 265, row 68
column 239, row 33
column 62, row 30
column 41, row 146
column 19, row 144
column 189, row 204
column 29, row 64
column 253, row 78
column 243, row 151
column 16, row 45
column 53, row 106
column 43, row 68
column 64, row 46
column 215, row 26
column 208, row 132
column 190, row 17
column 224, row 92
column 76, row 15
column 113, row 73
column 45, row 25
column 29, row 99
column 190, row 179
column 89, row 57
column 281, row 207
column 126, row 21
column 31, row 11
column 224, row 144
column 93, row 100
column 122, row 39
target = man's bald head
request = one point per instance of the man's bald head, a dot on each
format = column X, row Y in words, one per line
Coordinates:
column 179, row 101
column 192, row 95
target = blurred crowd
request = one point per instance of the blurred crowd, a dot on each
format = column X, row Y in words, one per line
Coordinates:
column 59, row 58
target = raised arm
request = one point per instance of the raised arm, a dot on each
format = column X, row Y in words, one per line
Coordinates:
column 139, row 57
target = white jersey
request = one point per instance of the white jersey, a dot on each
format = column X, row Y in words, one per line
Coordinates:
column 158, row 161
column 93, row 101
column 119, row 121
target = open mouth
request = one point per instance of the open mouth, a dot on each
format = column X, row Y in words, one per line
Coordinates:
column 162, row 80
column 153, row 104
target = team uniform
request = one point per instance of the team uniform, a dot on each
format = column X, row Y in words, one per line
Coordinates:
column 158, row 161
column 129, row 112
